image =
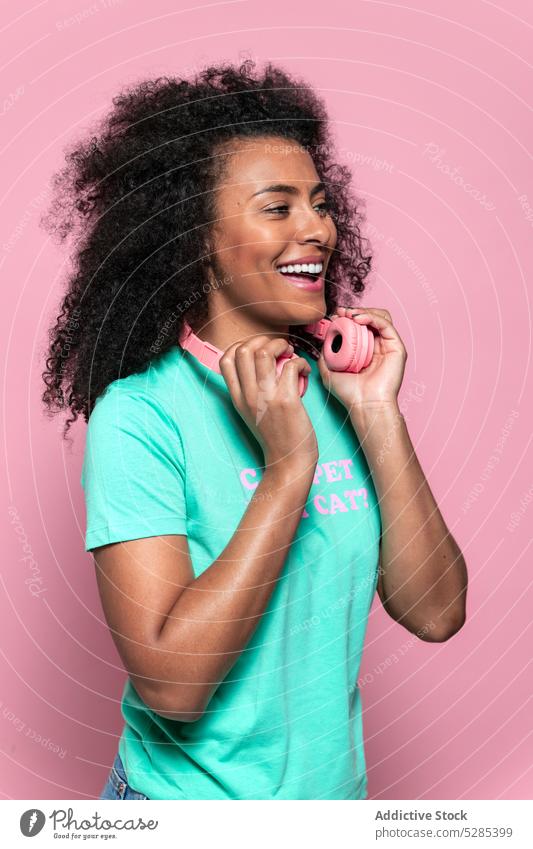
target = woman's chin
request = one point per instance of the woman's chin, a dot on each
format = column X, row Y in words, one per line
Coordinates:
column 309, row 313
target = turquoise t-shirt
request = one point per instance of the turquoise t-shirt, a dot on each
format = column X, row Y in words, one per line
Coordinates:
column 168, row 453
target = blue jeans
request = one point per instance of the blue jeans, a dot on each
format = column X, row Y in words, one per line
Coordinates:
column 116, row 786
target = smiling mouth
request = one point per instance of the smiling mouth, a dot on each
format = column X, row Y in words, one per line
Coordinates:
column 306, row 272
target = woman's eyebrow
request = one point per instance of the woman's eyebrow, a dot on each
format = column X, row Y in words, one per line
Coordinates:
column 288, row 189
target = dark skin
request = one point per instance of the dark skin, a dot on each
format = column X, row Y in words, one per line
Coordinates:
column 257, row 232
column 423, row 578
column 183, row 640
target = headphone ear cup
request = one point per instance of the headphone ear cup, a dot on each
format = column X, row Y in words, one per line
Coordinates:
column 362, row 351
column 348, row 346
column 370, row 352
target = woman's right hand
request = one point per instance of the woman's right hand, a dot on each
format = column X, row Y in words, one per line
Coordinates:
column 271, row 406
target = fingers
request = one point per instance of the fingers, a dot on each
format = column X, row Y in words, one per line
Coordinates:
column 290, row 373
column 229, row 373
column 350, row 311
column 244, row 364
column 373, row 317
column 382, row 324
column 265, row 365
column 255, row 361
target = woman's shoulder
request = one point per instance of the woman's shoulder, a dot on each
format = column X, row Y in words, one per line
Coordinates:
column 132, row 408
column 130, row 422
column 150, row 389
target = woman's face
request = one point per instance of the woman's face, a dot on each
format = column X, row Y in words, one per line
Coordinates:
column 271, row 213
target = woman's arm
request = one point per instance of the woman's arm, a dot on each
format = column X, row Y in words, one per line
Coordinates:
column 423, row 579
column 179, row 636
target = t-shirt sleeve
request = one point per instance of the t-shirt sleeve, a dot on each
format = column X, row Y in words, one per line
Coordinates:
column 133, row 471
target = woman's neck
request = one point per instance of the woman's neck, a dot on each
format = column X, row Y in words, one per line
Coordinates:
column 224, row 331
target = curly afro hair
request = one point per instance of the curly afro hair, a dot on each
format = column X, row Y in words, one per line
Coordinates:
column 137, row 198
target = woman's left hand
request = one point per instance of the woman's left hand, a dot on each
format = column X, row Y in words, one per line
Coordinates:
column 380, row 381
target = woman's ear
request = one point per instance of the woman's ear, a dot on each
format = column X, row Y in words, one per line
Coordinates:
column 208, row 259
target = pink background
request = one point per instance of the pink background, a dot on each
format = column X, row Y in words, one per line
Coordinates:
column 430, row 107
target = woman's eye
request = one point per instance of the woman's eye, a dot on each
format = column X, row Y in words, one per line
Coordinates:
column 324, row 208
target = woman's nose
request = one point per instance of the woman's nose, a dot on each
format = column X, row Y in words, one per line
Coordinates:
column 314, row 227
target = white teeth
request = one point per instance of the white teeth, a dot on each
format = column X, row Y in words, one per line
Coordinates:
column 298, row 268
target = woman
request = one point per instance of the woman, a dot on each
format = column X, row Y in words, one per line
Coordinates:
column 236, row 525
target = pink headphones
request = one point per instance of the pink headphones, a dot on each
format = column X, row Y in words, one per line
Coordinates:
column 348, row 346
